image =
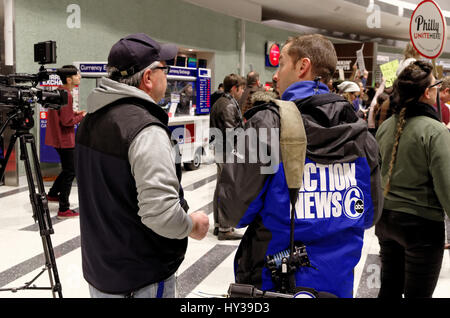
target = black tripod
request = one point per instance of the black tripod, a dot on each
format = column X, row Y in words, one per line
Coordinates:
column 21, row 124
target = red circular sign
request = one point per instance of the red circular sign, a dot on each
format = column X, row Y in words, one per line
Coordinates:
column 427, row 29
column 274, row 55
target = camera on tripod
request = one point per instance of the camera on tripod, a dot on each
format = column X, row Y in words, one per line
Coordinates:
column 19, row 95
column 19, row 92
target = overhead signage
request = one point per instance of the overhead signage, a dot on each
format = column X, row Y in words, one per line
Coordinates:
column 203, row 72
column 92, row 69
column 272, row 54
column 192, row 62
column 177, row 73
column 182, row 71
column 428, row 29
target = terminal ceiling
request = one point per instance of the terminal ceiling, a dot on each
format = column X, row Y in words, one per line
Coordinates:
column 339, row 18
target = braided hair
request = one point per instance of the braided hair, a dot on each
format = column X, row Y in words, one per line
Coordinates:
column 408, row 89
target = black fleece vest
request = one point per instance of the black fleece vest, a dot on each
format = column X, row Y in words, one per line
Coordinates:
column 119, row 253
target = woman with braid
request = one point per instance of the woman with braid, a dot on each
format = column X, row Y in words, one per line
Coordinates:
column 415, row 155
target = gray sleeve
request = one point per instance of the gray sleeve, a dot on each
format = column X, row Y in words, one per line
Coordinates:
column 152, row 163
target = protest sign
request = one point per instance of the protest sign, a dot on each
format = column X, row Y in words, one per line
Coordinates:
column 389, row 71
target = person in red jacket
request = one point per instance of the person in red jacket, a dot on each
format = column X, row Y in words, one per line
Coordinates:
column 445, row 99
column 61, row 136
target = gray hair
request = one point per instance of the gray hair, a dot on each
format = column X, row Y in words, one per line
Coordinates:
column 446, row 82
column 133, row 80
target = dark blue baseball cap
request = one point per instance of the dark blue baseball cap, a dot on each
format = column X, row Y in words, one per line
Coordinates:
column 137, row 51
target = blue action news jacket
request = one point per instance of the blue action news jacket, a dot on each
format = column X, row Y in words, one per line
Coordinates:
column 340, row 197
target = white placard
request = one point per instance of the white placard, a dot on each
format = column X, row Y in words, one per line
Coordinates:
column 341, row 74
column 360, row 59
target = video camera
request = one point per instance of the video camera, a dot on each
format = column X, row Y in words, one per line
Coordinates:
column 19, row 92
column 18, row 95
column 283, row 267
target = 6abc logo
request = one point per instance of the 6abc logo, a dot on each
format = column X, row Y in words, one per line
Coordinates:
column 353, row 203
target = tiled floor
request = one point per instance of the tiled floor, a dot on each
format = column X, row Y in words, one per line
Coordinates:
column 206, row 272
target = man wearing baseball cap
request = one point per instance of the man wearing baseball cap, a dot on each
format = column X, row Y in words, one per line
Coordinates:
column 133, row 217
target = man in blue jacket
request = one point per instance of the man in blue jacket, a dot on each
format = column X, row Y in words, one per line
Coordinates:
column 340, row 196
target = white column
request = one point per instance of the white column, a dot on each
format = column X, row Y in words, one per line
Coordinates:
column 8, row 7
column 243, row 47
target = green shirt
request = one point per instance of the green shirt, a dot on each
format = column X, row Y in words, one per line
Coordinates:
column 420, row 181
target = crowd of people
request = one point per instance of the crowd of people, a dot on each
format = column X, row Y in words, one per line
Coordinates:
column 372, row 102
column 374, row 156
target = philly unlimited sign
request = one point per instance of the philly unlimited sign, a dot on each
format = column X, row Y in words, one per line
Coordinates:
column 428, row 29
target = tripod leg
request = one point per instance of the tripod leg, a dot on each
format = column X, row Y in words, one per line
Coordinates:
column 4, row 162
column 40, row 182
column 40, row 209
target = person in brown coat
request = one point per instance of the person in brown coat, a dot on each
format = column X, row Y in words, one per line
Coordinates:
column 253, row 85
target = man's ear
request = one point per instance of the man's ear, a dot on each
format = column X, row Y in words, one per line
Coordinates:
column 304, row 67
column 426, row 94
column 146, row 82
column 446, row 92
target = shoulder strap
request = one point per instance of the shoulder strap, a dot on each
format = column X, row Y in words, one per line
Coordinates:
column 292, row 142
column 293, row 153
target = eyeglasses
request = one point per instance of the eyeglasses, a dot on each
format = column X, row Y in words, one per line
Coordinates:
column 438, row 85
column 165, row 69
